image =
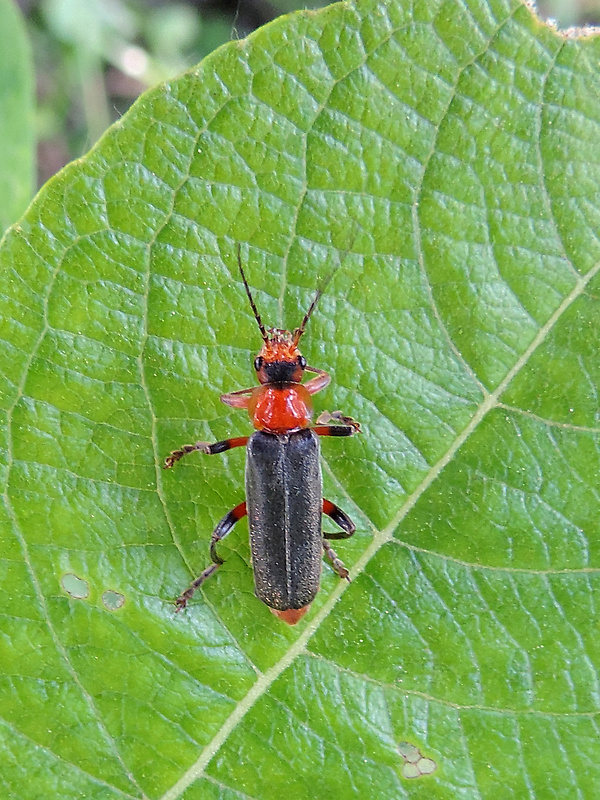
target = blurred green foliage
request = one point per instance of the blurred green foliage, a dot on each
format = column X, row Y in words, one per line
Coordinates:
column 17, row 145
column 94, row 57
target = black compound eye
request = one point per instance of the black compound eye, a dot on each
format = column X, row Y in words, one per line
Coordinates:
column 258, row 362
column 302, row 362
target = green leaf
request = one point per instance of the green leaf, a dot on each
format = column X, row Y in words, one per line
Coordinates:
column 446, row 154
column 17, row 141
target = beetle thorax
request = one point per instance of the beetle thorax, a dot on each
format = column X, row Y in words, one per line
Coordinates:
column 280, row 409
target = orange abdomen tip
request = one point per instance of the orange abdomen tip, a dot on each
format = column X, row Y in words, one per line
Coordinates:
column 291, row 615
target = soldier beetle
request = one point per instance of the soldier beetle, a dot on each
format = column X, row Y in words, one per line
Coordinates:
column 284, row 495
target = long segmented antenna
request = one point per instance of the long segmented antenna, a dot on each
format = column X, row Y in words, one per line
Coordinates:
column 263, row 330
column 299, row 331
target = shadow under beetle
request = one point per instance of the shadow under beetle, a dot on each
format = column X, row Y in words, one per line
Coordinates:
column 284, row 501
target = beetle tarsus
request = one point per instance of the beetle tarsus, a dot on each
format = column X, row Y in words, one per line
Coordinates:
column 206, row 448
column 336, row 563
column 176, row 455
column 337, row 418
column 186, row 596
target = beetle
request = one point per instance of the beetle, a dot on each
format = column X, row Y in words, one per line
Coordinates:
column 284, row 501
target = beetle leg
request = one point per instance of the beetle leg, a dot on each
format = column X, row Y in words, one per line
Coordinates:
column 315, row 385
column 237, row 399
column 340, row 518
column 336, row 424
column 334, row 430
column 348, row 527
column 336, row 563
column 337, row 419
column 220, row 532
column 205, row 447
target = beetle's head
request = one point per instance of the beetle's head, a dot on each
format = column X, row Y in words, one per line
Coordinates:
column 279, row 360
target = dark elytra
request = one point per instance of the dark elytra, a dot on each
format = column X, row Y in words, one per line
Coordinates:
column 284, row 501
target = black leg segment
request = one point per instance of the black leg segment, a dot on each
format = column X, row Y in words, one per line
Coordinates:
column 220, row 532
column 348, row 527
column 340, row 518
column 334, row 430
column 336, row 424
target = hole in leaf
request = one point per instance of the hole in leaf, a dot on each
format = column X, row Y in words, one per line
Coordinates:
column 415, row 764
column 76, row 587
column 113, row 600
